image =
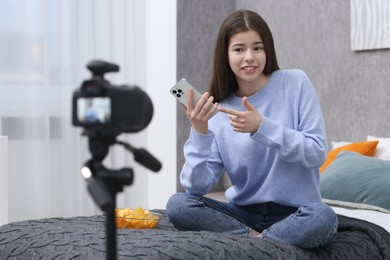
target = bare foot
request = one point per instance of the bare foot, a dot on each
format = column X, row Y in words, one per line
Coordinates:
column 254, row 233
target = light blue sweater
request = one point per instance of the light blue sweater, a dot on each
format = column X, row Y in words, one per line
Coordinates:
column 278, row 163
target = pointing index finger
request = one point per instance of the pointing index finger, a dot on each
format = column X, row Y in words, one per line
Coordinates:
column 228, row 111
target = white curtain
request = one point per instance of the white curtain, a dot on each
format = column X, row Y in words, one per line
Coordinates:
column 45, row 45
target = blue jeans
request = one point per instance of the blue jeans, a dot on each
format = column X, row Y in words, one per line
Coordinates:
column 309, row 226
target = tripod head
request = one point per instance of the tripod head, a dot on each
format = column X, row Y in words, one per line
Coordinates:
column 103, row 183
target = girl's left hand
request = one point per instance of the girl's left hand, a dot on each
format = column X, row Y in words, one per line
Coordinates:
column 244, row 121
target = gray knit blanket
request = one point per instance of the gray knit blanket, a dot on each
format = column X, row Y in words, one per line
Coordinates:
column 84, row 238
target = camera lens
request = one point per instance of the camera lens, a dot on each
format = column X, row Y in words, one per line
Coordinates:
column 178, row 95
column 174, row 91
column 179, row 90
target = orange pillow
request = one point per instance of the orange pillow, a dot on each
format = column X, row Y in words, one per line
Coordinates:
column 364, row 148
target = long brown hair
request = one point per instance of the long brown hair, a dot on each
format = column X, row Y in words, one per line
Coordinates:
column 223, row 81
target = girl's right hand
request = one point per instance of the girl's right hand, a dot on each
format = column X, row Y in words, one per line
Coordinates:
column 201, row 113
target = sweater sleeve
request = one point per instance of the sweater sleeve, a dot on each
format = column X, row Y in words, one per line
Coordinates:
column 306, row 143
column 202, row 168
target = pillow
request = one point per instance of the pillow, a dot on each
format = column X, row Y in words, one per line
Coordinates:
column 335, row 145
column 364, row 148
column 358, row 180
column 383, row 149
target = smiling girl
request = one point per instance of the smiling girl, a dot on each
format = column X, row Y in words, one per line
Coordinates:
column 269, row 137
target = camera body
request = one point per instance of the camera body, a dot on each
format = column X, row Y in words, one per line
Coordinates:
column 100, row 107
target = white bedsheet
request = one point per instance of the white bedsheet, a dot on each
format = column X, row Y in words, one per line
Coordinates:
column 376, row 217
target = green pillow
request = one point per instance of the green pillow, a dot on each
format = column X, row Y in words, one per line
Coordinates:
column 356, row 180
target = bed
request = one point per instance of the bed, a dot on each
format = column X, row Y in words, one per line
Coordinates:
column 84, row 238
column 355, row 184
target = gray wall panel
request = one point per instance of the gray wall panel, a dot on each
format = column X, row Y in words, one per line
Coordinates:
column 197, row 26
column 353, row 87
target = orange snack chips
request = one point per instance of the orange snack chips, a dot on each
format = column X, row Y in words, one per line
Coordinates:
column 135, row 218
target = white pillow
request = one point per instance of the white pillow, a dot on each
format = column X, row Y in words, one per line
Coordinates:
column 383, row 148
column 338, row 144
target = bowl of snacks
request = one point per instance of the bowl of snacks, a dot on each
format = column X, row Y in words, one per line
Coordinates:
column 135, row 218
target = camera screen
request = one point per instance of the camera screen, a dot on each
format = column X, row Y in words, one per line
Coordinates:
column 94, row 110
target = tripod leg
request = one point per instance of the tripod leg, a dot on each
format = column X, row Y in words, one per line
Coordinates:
column 111, row 233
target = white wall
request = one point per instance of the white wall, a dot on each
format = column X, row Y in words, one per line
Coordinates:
column 160, row 28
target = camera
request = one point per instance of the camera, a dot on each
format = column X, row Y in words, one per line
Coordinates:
column 105, row 111
column 101, row 107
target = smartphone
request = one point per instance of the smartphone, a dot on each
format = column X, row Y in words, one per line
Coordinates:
column 181, row 90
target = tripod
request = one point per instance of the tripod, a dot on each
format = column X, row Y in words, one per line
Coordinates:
column 104, row 184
